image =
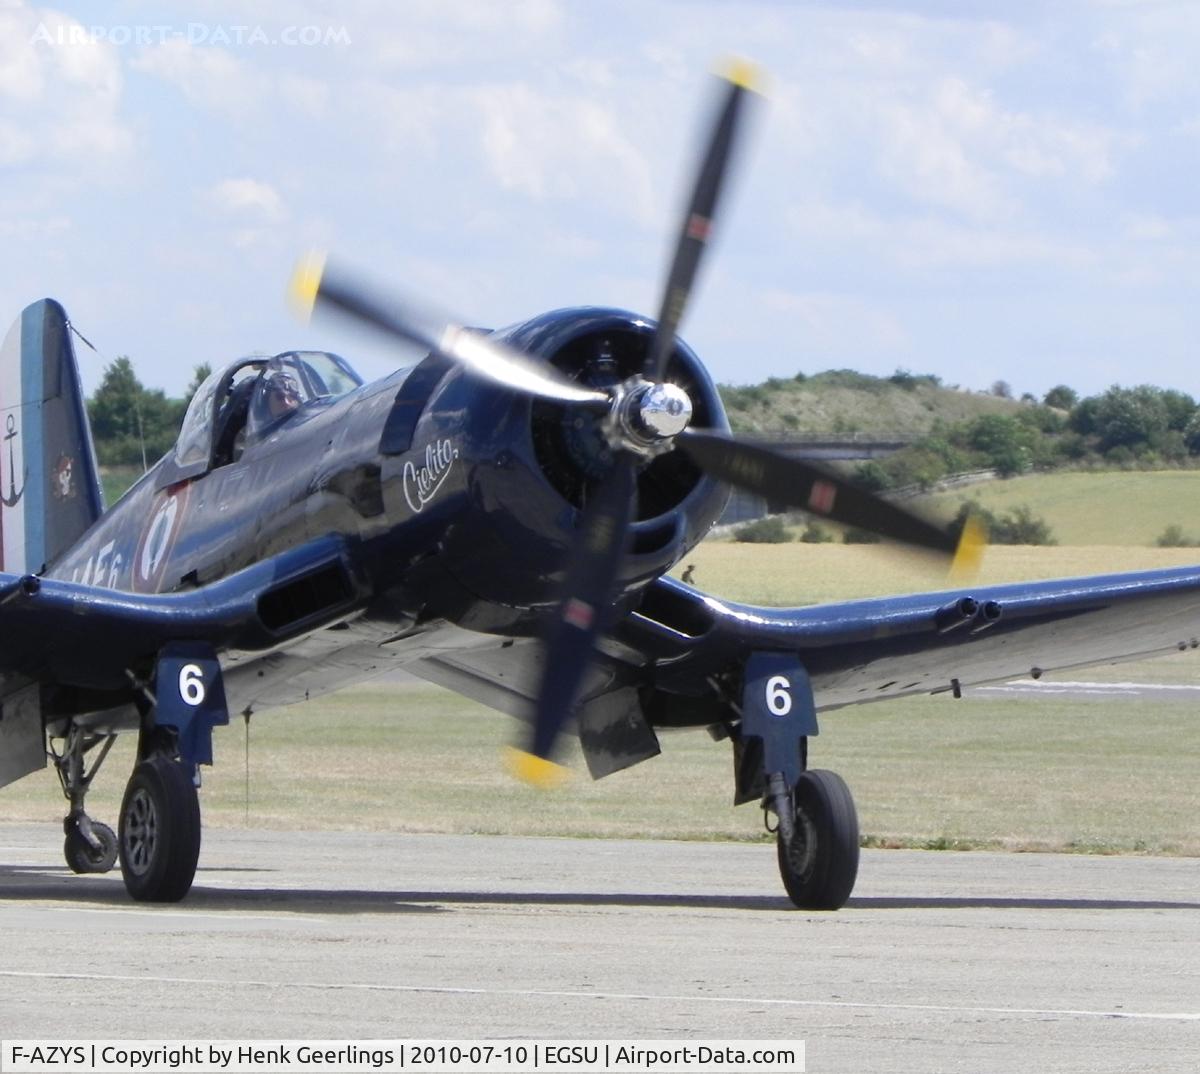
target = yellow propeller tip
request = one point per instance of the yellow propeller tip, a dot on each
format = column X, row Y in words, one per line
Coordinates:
column 534, row 770
column 744, row 74
column 969, row 554
column 305, row 283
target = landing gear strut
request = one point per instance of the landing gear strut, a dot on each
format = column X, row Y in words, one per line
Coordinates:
column 159, row 828
column 88, row 846
column 816, row 822
column 158, row 838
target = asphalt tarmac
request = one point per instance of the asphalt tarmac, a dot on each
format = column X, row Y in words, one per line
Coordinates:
column 943, row 961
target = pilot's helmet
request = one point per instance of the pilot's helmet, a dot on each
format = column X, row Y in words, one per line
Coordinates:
column 282, row 393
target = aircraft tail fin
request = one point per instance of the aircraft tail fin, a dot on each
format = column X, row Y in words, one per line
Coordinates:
column 49, row 481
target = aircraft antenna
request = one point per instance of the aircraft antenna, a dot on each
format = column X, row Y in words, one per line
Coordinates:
column 84, row 338
column 137, row 404
column 137, row 407
column 246, row 717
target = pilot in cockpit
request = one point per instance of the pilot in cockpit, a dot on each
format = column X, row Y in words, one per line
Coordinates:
column 276, row 394
column 281, row 393
column 258, row 396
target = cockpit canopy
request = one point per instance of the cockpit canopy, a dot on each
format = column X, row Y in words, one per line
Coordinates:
column 249, row 399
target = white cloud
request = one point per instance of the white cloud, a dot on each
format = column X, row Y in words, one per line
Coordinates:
column 837, row 323
column 34, row 228
column 1141, row 227
column 57, row 101
column 954, row 146
column 426, row 34
column 932, row 241
column 22, row 66
column 926, row 158
column 209, row 77
column 548, row 145
column 510, row 155
column 216, row 80
column 248, row 198
column 17, row 145
column 1152, row 48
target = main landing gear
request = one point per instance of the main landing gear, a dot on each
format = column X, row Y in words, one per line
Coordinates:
column 160, row 830
column 818, row 857
column 816, row 823
column 159, row 825
column 158, row 839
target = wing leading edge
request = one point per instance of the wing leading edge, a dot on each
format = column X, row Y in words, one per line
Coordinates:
column 871, row 650
column 88, row 637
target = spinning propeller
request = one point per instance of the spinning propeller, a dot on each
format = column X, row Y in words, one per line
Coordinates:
column 643, row 417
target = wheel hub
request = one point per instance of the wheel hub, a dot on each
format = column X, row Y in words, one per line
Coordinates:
column 802, row 850
column 141, row 832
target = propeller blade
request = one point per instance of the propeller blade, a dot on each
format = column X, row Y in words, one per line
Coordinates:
column 697, row 221
column 813, row 488
column 589, row 589
column 314, row 284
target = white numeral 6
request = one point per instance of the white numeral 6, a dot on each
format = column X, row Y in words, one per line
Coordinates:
column 779, row 701
column 191, row 684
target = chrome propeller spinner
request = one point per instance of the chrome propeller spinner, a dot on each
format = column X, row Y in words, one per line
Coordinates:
column 645, row 418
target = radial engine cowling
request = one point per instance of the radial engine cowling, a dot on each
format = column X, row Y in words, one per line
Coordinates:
column 532, row 464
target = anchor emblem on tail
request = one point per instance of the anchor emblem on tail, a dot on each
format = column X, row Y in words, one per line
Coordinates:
column 14, row 494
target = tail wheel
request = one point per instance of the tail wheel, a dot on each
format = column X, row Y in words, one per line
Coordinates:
column 820, row 864
column 159, row 831
column 82, row 857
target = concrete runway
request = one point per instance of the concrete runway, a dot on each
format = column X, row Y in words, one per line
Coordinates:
column 944, row 961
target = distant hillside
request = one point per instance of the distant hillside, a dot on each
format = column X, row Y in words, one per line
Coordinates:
column 1122, row 508
column 842, row 403
column 952, row 432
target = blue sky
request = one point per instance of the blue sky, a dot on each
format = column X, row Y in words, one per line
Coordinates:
column 978, row 190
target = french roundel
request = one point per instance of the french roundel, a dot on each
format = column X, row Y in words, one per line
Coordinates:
column 158, row 538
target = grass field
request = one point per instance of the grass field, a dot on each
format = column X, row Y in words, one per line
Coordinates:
column 794, row 573
column 1059, row 774
column 1096, row 508
column 1052, row 774
column 116, row 480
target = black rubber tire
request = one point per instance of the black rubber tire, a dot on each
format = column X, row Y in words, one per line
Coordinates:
column 821, row 866
column 160, row 831
column 82, row 857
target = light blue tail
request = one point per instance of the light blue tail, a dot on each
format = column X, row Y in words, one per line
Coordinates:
column 49, row 481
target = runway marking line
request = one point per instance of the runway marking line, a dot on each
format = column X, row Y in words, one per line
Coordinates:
column 1022, row 686
column 189, row 914
column 1183, row 1016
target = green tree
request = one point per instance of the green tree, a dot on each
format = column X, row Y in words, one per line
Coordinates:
column 1180, row 408
column 1191, row 434
column 1061, row 397
column 200, row 374
column 1084, row 415
column 1016, row 526
column 1003, row 441
column 873, row 476
column 1130, row 417
column 113, row 409
column 771, row 529
column 815, row 533
column 131, row 424
column 1174, row 537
